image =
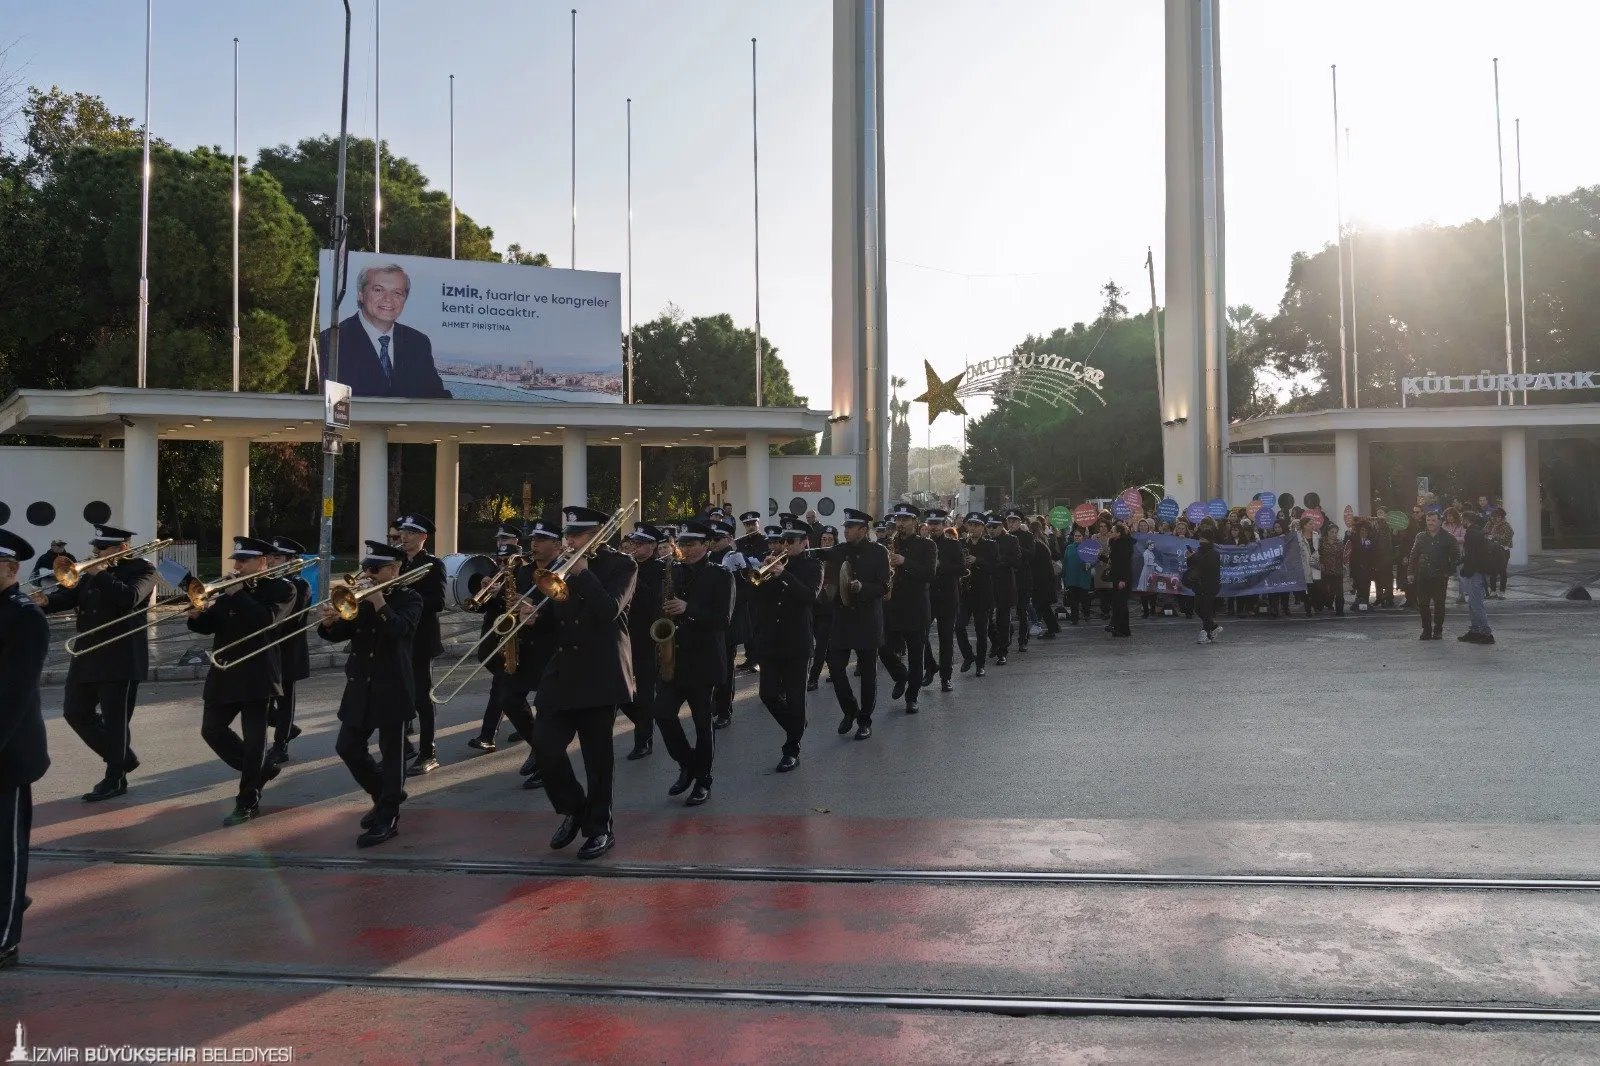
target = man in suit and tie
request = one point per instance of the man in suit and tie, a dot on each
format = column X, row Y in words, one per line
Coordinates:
column 378, row 356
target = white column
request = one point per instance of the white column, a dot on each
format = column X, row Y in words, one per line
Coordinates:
column 446, row 496
column 372, row 491
column 1363, row 503
column 235, row 493
column 756, row 485
column 574, row 468
column 632, row 478
column 1516, row 490
column 1346, row 474
column 139, row 481
column 1531, row 536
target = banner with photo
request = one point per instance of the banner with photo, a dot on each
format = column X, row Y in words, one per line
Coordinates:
column 1255, row 569
column 461, row 329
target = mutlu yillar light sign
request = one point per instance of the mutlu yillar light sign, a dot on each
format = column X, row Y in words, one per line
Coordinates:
column 1020, row 376
column 1437, row 384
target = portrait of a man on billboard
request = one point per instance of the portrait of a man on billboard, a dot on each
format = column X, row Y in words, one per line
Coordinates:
column 378, row 354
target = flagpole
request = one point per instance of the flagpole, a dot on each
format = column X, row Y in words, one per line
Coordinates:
column 144, row 214
column 236, row 206
column 755, row 178
column 1355, row 330
column 1338, row 199
column 377, row 137
column 574, row 142
column 452, row 166
column 1522, row 262
column 630, row 249
column 1505, row 251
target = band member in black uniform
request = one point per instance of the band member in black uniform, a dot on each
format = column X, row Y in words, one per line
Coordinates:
column 823, row 538
column 294, row 654
column 945, row 593
column 516, row 673
column 1005, row 586
column 246, row 689
column 906, row 609
column 1046, row 582
column 858, row 624
column 783, row 606
column 981, row 562
column 753, row 546
column 24, row 757
column 702, row 607
column 590, row 676
column 102, row 684
column 644, row 544
column 728, row 555
column 507, row 551
column 1022, row 573
column 377, row 688
column 426, row 645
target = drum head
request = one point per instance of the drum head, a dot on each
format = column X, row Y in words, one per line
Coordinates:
column 463, row 574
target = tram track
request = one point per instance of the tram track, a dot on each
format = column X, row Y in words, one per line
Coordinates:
column 1032, row 1005
column 555, row 868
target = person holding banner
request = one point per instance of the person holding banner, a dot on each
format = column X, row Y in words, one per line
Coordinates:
column 1204, row 576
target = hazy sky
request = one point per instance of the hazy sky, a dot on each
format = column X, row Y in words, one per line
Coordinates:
column 1024, row 137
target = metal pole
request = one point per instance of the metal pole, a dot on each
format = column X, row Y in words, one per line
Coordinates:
column 630, row 249
column 144, row 214
column 1522, row 263
column 1355, row 329
column 452, row 166
column 1505, row 250
column 755, row 178
column 1213, row 261
column 1155, row 327
column 341, row 252
column 377, row 137
column 1338, row 200
column 574, row 146
column 236, row 205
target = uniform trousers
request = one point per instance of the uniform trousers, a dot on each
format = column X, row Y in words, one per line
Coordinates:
column 553, row 730
column 978, row 615
column 246, row 754
column 839, row 672
column 99, row 712
column 944, row 617
column 642, row 708
column 283, row 715
column 722, row 695
column 670, row 696
column 1024, row 598
column 509, row 696
column 783, row 693
column 1000, row 628
column 821, row 623
column 16, row 823
column 909, row 644
column 421, row 685
column 492, row 710
column 1432, row 594
column 385, row 783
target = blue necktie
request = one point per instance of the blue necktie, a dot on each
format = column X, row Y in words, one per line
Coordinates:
column 384, row 360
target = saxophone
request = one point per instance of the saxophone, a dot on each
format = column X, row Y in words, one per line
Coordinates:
column 509, row 598
column 664, row 631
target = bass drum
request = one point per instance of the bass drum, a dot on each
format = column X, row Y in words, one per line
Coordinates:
column 463, row 575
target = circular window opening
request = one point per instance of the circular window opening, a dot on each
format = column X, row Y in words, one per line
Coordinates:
column 825, row 505
column 97, row 512
column 41, row 513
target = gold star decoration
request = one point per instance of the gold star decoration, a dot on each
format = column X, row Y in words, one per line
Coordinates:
column 941, row 395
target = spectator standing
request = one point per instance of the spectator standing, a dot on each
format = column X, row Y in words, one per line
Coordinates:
column 1076, row 580
column 1360, row 557
column 1383, row 558
column 1477, row 564
column 1120, row 576
column 1434, row 556
column 1458, row 530
column 1204, row 576
column 1500, row 535
column 1331, row 554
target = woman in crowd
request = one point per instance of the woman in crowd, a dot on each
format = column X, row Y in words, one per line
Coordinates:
column 1331, row 553
column 1500, row 534
column 1452, row 524
column 1119, row 573
column 1360, row 553
column 1075, row 579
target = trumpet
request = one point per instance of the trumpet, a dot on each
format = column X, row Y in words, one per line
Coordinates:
column 346, row 599
column 551, row 583
column 770, row 568
column 69, row 573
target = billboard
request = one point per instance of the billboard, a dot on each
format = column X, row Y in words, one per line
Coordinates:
column 453, row 328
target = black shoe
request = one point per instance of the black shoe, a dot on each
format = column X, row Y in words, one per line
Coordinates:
column 1021, row 648
column 597, row 845
column 385, row 828
column 130, row 764
column 1048, row 635
column 278, row 754
column 700, row 794
column 515, row 737
column 425, row 764
column 1425, row 635
column 640, row 751
column 565, row 833
column 981, row 672
column 966, row 664
column 533, row 782
column 863, row 731
column 1438, row 634
column 1485, row 638
column 1468, row 637
column 946, row 686
column 999, row 660
column 899, row 689
column 530, row 765
column 410, row 751
column 110, row 788
column 911, row 708
column 928, row 675
column 270, row 772
column 294, row 734
column 848, row 723
column 485, row 744
column 787, row 763
column 370, row 819
column 721, row 721
column 811, row 686
column 240, row 815
column 681, row 785
column 10, row 957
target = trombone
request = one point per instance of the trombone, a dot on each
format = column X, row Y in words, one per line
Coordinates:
column 69, row 573
column 346, row 598
column 552, row 583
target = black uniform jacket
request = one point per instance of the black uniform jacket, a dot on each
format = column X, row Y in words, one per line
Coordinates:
column 593, row 663
column 908, row 610
column 702, row 654
column 1022, row 565
column 944, row 594
column 978, row 590
column 24, row 639
column 255, row 610
column 427, row 642
column 1004, row 579
column 294, row 654
column 378, row 686
column 100, row 597
column 859, row 626
column 783, row 609
column 643, row 610
column 536, row 641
